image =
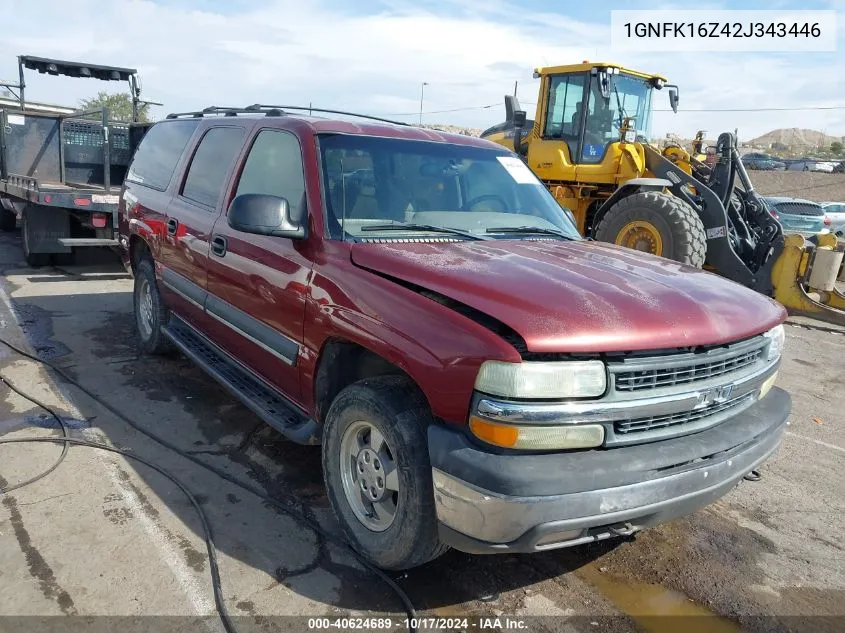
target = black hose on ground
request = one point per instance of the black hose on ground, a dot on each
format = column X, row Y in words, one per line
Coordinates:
column 298, row 516
column 209, row 542
column 62, row 425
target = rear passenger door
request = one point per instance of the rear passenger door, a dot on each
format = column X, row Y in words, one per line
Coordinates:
column 257, row 284
column 190, row 217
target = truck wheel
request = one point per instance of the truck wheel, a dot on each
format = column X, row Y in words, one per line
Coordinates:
column 378, row 474
column 35, row 260
column 656, row 223
column 8, row 220
column 150, row 313
column 64, row 259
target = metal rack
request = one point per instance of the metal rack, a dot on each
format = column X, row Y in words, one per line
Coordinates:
column 273, row 110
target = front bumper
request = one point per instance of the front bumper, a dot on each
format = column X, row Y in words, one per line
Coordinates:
column 489, row 503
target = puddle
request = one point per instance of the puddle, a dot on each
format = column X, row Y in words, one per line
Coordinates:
column 655, row 608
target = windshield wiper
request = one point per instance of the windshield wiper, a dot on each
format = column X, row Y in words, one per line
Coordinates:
column 399, row 226
column 531, row 229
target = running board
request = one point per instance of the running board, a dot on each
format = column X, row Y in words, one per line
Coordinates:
column 87, row 241
column 265, row 401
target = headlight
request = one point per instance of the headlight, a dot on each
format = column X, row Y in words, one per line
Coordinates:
column 562, row 379
column 537, row 437
column 776, row 337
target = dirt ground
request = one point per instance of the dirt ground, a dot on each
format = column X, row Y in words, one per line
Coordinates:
column 815, row 186
column 105, row 536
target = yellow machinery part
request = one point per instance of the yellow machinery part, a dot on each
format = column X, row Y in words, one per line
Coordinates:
column 788, row 274
column 642, row 236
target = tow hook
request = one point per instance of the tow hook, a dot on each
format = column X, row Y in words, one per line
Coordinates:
column 754, row 475
column 626, row 530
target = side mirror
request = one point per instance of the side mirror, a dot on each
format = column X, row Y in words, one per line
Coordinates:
column 674, row 98
column 264, row 215
column 519, row 118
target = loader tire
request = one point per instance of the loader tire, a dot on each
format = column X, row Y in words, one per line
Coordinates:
column 657, row 223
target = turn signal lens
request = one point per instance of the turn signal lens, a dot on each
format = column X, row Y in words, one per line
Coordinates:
column 498, row 434
column 537, row 437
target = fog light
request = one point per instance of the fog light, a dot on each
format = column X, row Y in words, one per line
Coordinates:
column 537, row 437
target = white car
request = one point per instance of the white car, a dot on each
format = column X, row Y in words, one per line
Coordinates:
column 810, row 164
column 835, row 212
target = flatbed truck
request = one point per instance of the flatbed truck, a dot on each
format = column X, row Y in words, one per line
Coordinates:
column 61, row 173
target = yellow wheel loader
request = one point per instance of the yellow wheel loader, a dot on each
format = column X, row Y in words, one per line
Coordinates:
column 589, row 143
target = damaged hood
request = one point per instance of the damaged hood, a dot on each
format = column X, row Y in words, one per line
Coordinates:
column 579, row 296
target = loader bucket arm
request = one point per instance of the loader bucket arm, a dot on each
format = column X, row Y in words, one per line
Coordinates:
column 720, row 254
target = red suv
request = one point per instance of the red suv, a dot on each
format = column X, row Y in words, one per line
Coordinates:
column 478, row 375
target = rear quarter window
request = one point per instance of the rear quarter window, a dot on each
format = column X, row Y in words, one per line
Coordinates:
column 159, row 152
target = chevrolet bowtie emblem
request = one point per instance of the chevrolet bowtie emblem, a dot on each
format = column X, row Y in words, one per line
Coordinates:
column 716, row 395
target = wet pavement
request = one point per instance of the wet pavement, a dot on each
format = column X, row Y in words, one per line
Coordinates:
column 106, row 536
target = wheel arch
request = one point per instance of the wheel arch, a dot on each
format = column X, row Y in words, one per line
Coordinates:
column 635, row 185
column 341, row 362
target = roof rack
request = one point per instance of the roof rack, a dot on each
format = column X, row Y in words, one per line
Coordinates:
column 272, row 110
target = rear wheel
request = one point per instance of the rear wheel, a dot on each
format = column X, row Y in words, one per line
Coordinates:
column 151, row 315
column 377, row 472
column 8, row 220
column 656, row 223
column 35, row 260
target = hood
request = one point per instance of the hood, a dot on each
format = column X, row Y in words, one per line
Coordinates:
column 580, row 296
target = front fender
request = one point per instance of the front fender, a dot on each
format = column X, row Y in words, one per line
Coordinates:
column 631, row 186
column 440, row 349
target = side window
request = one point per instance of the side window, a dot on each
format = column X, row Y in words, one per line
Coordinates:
column 212, row 160
column 563, row 115
column 158, row 153
column 274, row 167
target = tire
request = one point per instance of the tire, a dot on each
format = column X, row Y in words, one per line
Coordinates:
column 35, row 260
column 150, row 312
column 395, row 407
column 64, row 259
column 681, row 232
column 8, row 220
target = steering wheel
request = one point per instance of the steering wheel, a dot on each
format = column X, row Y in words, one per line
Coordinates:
column 487, row 196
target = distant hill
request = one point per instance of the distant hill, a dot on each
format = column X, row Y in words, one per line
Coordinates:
column 794, row 137
column 454, row 129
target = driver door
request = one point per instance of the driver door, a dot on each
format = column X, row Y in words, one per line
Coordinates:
column 555, row 154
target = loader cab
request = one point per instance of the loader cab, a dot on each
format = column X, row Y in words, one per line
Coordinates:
column 585, row 106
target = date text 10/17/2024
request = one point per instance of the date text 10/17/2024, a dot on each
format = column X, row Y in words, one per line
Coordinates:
column 501, row 623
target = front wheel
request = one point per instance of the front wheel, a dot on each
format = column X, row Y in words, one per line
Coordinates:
column 378, row 474
column 656, row 223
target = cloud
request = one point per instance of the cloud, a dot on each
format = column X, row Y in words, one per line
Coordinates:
column 373, row 58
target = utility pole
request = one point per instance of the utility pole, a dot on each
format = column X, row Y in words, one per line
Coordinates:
column 422, row 93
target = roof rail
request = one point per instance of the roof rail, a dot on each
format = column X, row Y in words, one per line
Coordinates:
column 272, row 110
column 224, row 110
column 259, row 107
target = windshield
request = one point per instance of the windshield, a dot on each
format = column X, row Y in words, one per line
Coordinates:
column 373, row 185
column 629, row 97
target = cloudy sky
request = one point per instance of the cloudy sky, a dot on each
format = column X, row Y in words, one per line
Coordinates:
column 373, row 55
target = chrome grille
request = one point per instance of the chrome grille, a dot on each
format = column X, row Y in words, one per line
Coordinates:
column 668, row 376
column 687, row 417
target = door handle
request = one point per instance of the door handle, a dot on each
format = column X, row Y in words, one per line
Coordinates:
column 172, row 226
column 218, row 245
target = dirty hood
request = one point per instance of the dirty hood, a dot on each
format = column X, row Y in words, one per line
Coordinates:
column 580, row 296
